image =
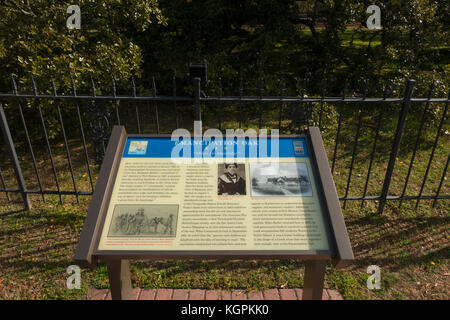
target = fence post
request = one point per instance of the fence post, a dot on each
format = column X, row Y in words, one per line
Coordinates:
column 398, row 137
column 15, row 160
column 198, row 111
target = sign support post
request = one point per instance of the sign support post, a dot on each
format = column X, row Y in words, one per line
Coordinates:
column 119, row 279
column 313, row 279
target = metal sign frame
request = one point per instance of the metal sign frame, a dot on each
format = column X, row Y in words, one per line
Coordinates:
column 118, row 260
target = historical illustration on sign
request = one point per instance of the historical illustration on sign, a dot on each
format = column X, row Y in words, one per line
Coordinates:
column 280, row 179
column 231, row 179
column 138, row 147
column 144, row 221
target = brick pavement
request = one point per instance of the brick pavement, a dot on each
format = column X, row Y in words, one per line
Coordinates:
column 201, row 294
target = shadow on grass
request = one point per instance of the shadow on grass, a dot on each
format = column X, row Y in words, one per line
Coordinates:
column 20, row 264
column 422, row 260
column 12, row 212
column 399, row 242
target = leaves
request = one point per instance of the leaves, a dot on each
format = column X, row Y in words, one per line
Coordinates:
column 36, row 40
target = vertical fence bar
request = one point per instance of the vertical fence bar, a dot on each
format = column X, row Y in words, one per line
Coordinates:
column 338, row 128
column 355, row 146
column 296, row 111
column 105, row 108
column 398, row 137
column 301, row 107
column 444, row 115
column 174, row 95
column 419, row 134
column 4, row 185
column 136, row 106
column 83, row 138
column 281, row 104
column 442, row 181
column 98, row 124
column 15, row 160
column 116, row 107
column 49, row 149
column 366, row 88
column 155, row 105
column 372, row 154
column 220, row 104
column 324, row 90
column 377, row 134
column 261, row 92
column 69, row 160
column 241, row 93
column 27, row 136
column 198, row 111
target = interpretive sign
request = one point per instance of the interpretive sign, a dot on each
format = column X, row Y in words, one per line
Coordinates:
column 250, row 197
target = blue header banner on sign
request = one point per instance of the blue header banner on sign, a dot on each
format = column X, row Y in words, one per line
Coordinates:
column 199, row 148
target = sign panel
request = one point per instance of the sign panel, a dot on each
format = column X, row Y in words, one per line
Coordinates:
column 257, row 201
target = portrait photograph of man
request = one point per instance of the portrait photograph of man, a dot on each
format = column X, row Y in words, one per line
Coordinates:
column 231, row 180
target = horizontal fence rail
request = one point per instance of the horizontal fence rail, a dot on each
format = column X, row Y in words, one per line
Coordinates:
column 225, row 99
column 378, row 146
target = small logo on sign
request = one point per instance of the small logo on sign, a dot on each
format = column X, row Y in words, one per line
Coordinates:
column 298, row 148
column 138, row 147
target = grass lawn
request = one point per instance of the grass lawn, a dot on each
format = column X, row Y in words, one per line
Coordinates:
column 411, row 250
column 410, row 246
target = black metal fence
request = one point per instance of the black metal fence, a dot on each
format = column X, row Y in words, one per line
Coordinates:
column 70, row 131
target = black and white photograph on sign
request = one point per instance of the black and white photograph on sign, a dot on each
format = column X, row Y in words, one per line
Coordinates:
column 149, row 220
column 231, row 180
column 272, row 179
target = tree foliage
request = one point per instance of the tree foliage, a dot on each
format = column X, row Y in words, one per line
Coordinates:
column 270, row 39
column 34, row 39
column 302, row 39
column 265, row 38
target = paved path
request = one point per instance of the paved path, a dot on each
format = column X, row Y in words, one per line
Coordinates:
column 201, row 294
